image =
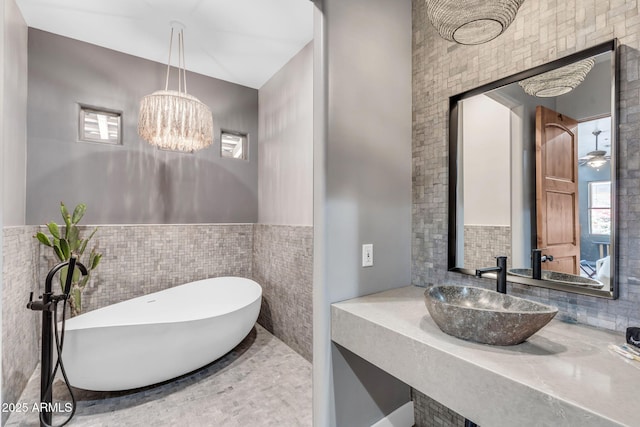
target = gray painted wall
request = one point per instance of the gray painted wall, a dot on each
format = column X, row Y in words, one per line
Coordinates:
column 14, row 130
column 285, row 163
column 133, row 183
column 362, row 189
column 13, row 94
column 2, row 177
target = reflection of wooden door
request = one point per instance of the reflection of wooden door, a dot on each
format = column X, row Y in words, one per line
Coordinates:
column 557, row 211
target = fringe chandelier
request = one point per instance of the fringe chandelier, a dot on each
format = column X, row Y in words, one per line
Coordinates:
column 174, row 120
column 471, row 21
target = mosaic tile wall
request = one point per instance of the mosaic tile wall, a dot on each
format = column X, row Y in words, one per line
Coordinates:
column 283, row 265
column 544, row 30
column 141, row 259
column 429, row 413
column 20, row 342
column 482, row 243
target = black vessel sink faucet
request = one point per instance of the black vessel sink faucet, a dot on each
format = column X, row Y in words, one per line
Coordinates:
column 501, row 273
column 536, row 263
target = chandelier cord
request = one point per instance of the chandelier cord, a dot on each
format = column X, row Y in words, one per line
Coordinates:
column 180, row 61
column 184, row 65
column 166, row 85
column 182, row 68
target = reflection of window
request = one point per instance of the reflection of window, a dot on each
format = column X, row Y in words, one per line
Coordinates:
column 600, row 207
column 233, row 145
column 99, row 125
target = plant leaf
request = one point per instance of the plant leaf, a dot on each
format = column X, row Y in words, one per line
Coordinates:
column 96, row 261
column 78, row 213
column 83, row 282
column 74, row 237
column 92, row 233
column 58, row 252
column 77, row 301
column 54, row 229
column 42, row 238
column 63, row 277
column 76, row 275
column 66, row 250
column 65, row 215
column 83, row 246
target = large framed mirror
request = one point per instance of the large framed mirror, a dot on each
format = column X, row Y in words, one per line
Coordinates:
column 532, row 175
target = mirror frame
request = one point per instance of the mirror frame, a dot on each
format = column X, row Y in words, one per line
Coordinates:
column 610, row 46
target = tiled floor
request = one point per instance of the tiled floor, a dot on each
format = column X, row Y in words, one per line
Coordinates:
column 262, row 382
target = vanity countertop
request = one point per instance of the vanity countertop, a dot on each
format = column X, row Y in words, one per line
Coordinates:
column 564, row 375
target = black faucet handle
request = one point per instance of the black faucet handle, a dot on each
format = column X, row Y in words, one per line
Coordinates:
column 34, row 305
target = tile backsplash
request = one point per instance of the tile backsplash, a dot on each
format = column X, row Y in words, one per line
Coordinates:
column 140, row 259
column 20, row 343
column 482, row 243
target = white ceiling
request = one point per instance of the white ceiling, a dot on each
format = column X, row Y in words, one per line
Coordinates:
column 241, row 41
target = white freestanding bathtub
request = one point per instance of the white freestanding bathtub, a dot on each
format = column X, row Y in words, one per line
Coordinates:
column 163, row 335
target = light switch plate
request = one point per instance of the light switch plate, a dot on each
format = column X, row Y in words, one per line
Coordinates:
column 367, row 255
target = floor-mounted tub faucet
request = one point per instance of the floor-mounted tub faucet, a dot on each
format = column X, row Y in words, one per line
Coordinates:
column 536, row 263
column 52, row 337
column 501, row 270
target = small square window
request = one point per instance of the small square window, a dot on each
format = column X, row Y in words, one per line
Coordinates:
column 233, row 145
column 99, row 125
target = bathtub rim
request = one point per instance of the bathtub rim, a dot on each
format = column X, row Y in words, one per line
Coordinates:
column 70, row 323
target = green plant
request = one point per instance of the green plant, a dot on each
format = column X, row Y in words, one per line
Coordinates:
column 71, row 244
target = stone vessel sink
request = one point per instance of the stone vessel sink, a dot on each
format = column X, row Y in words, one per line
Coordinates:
column 554, row 276
column 485, row 316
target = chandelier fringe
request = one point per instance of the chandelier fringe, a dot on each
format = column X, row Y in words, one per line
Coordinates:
column 173, row 120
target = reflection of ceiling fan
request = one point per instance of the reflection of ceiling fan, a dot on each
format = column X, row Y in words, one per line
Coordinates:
column 595, row 158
